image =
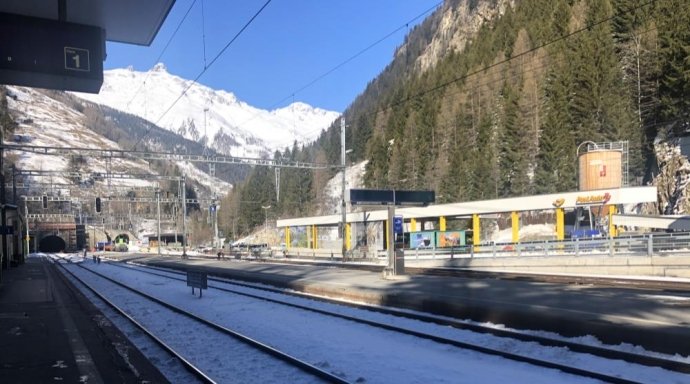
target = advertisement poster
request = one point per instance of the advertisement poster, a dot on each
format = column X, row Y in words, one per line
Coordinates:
column 451, row 238
column 423, row 240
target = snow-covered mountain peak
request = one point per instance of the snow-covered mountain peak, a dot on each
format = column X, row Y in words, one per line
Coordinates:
column 159, row 67
column 203, row 114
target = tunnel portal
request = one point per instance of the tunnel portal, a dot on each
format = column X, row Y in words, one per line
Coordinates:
column 52, row 244
column 122, row 238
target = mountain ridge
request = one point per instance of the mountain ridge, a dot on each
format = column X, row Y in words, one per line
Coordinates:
column 214, row 117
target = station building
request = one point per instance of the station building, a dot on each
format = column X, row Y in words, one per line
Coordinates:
column 603, row 195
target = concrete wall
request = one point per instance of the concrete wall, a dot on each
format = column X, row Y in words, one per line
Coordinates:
column 658, row 266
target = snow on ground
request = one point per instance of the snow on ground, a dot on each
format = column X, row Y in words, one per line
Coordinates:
column 43, row 121
column 217, row 186
column 361, row 353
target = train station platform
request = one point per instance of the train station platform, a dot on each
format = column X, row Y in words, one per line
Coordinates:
column 652, row 317
column 51, row 333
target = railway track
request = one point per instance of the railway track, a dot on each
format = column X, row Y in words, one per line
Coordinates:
column 619, row 282
column 282, row 365
column 605, row 353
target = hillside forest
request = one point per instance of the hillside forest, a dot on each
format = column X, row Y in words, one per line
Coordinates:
column 503, row 116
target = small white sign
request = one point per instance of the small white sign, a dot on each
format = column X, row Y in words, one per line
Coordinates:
column 77, row 59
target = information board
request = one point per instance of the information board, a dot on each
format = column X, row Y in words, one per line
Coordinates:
column 51, row 54
column 391, row 197
column 196, row 279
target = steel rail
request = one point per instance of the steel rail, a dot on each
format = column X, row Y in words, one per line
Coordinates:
column 581, row 348
column 185, row 363
column 304, row 366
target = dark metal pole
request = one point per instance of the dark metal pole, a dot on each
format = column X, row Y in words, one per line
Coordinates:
column 342, row 203
column 26, row 222
column 158, row 201
column 62, row 10
column 14, row 186
column 3, row 201
column 391, row 239
column 184, row 218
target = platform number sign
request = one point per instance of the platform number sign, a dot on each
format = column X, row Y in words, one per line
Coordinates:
column 77, row 59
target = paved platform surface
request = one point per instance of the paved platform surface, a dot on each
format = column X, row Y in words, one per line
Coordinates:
column 657, row 319
column 50, row 333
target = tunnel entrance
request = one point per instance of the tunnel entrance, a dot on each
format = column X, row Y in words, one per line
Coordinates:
column 52, row 244
column 122, row 238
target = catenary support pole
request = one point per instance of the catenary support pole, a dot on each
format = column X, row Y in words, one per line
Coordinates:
column 184, row 218
column 342, row 205
column 158, row 204
column 391, row 239
column 26, row 222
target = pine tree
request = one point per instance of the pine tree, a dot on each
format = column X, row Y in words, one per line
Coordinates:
column 376, row 170
column 483, row 175
column 673, row 18
column 555, row 169
column 513, row 147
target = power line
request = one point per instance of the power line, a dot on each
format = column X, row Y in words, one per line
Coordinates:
column 189, row 85
column 363, row 51
column 466, row 76
column 463, row 77
column 136, row 93
column 343, row 63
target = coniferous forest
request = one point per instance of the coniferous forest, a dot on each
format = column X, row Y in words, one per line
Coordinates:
column 503, row 116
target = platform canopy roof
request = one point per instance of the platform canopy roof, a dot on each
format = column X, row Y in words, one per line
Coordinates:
column 565, row 200
column 125, row 21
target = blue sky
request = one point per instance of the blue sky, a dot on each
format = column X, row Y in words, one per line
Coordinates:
column 289, row 45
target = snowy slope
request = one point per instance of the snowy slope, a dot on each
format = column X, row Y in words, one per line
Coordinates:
column 232, row 126
column 44, row 121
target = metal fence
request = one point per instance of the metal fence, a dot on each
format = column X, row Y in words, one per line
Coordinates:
column 639, row 245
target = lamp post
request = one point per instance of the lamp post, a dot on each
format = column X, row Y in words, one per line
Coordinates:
column 342, row 204
column 184, row 218
column 343, row 207
column 266, row 218
column 158, row 204
column 215, row 223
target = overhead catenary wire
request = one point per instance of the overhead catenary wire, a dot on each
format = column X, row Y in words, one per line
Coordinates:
column 494, row 65
column 179, row 25
column 478, row 86
column 529, row 68
column 203, row 71
column 343, row 63
column 507, row 60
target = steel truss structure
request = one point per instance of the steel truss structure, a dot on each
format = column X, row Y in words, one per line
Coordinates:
column 125, row 199
column 69, row 186
column 117, row 199
column 141, row 155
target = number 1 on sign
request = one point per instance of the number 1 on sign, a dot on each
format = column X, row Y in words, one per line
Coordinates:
column 75, row 58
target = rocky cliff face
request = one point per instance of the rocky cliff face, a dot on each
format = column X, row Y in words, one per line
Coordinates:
column 674, row 177
column 456, row 26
